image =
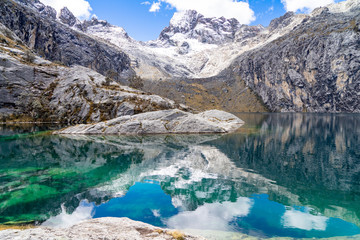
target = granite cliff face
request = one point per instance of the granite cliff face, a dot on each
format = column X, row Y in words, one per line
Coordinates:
column 313, row 68
column 36, row 25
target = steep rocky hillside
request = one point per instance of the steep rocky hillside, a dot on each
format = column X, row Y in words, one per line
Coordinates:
column 224, row 92
column 314, row 68
column 34, row 89
column 36, row 25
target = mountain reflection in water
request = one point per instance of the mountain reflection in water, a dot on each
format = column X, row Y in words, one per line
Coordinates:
column 291, row 175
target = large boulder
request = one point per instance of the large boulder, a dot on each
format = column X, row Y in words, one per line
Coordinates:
column 162, row 122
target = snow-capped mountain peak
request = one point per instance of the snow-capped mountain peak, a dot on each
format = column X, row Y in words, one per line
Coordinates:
column 103, row 29
column 193, row 25
column 185, row 20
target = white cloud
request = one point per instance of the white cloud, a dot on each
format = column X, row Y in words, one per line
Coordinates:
column 145, row 3
column 80, row 8
column 214, row 8
column 155, row 7
column 304, row 5
column 303, row 220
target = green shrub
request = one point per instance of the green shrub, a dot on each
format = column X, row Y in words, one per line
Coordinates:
column 136, row 82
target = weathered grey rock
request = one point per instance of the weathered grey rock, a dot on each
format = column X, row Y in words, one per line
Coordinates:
column 67, row 17
column 162, row 122
column 281, row 22
column 102, row 228
column 49, row 12
column 44, row 91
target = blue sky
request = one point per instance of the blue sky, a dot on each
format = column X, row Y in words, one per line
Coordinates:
column 133, row 16
column 144, row 19
column 143, row 25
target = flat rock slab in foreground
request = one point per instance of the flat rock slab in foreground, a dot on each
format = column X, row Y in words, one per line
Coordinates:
column 162, row 122
column 101, row 228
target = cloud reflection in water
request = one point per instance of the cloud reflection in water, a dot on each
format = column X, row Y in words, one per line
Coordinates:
column 214, row 216
column 304, row 220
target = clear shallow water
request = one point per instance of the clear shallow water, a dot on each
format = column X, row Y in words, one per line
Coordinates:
column 286, row 175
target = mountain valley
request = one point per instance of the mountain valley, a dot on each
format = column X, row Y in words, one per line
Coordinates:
column 299, row 63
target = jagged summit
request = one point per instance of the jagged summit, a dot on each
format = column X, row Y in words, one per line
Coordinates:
column 95, row 21
column 186, row 19
column 282, row 21
column 67, row 17
column 194, row 25
column 104, row 30
column 64, row 16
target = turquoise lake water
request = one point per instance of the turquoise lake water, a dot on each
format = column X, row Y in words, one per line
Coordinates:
column 280, row 175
